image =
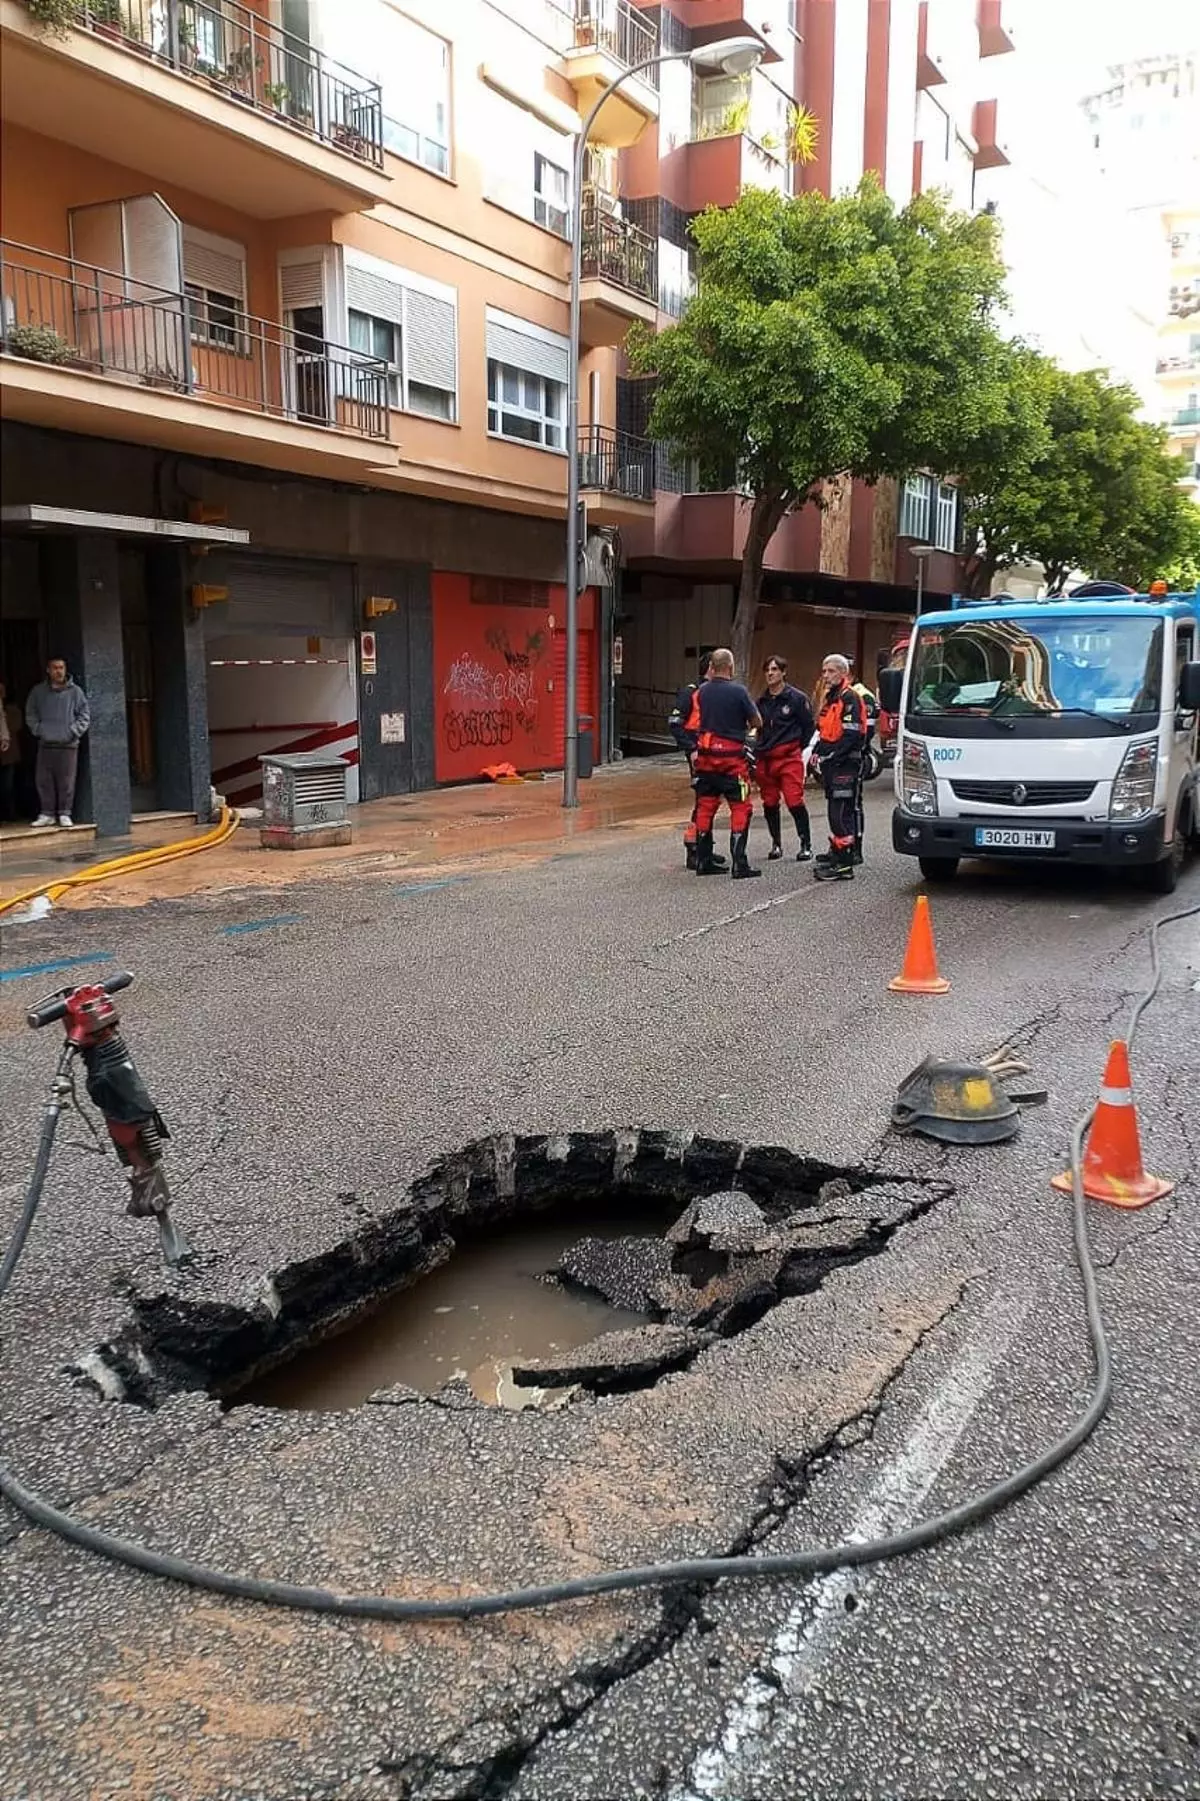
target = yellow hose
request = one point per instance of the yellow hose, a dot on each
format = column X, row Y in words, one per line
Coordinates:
column 140, row 859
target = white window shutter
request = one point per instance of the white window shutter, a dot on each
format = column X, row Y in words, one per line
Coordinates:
column 430, row 340
column 368, row 292
column 301, row 285
column 536, row 356
column 206, row 266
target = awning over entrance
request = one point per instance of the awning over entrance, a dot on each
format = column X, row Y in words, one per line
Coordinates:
column 37, row 518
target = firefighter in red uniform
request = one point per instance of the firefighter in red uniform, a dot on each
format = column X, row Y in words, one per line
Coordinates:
column 722, row 715
column 842, row 729
column 787, row 729
column 677, row 725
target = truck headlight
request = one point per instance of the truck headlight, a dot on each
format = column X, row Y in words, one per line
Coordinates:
column 1133, row 789
column 918, row 786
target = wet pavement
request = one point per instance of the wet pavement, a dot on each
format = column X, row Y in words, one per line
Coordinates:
column 414, row 834
column 314, row 1045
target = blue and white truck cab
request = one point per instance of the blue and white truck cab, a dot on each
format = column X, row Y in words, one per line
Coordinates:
column 1062, row 730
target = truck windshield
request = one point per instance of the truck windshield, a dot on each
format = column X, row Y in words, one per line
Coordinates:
column 1009, row 669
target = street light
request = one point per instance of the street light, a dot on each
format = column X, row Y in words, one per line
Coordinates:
column 731, row 56
column 920, row 552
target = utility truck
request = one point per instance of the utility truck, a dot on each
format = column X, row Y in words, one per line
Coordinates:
column 1064, row 731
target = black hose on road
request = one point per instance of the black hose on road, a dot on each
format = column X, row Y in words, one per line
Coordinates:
column 655, row 1575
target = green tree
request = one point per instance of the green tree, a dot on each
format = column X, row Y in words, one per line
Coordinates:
column 1078, row 481
column 827, row 338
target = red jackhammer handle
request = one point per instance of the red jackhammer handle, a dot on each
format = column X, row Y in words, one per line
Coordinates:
column 55, row 1005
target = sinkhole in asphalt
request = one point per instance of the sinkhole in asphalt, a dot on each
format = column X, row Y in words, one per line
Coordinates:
column 523, row 1271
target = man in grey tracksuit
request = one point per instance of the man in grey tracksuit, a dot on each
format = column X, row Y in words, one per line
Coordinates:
column 57, row 714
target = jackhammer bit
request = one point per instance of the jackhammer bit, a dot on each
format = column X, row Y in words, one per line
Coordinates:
column 134, row 1123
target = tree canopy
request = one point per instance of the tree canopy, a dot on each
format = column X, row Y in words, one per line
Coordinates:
column 1073, row 479
column 828, row 338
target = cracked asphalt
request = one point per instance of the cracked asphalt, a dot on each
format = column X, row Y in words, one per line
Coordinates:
column 310, row 1068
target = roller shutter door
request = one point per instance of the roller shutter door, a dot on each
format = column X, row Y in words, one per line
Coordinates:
column 269, row 597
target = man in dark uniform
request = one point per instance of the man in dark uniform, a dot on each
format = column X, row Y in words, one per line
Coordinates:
column 722, row 715
column 787, row 729
column 686, row 740
column 842, row 729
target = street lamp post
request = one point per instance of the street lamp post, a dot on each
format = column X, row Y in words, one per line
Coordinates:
column 732, row 56
column 921, row 552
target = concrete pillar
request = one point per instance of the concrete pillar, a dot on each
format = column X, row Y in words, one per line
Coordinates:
column 181, row 752
column 81, row 597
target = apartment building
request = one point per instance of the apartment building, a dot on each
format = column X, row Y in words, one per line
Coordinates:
column 1145, row 138
column 1178, row 365
column 900, row 87
column 283, row 315
column 283, row 295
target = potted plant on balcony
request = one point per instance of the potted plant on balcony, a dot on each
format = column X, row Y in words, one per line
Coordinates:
column 239, row 72
column 54, row 16
column 348, row 137
column 278, row 94
column 39, row 344
column 106, row 18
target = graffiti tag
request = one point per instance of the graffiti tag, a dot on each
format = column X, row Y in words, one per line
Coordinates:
column 480, row 728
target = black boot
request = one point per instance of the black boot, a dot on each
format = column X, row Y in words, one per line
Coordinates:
column 706, row 863
column 838, row 868
column 800, row 815
column 772, row 816
column 691, row 853
column 741, row 871
column 856, row 855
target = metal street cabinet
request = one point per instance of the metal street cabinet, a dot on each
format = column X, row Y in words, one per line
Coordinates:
column 304, row 801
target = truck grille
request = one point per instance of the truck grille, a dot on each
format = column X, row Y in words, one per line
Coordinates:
column 1036, row 794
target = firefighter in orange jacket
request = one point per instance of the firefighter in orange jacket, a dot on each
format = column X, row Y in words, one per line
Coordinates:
column 722, row 715
column 678, row 726
column 838, row 750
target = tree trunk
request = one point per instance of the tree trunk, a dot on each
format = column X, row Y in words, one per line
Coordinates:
column 768, row 509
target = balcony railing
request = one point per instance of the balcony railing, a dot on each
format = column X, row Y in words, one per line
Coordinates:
column 247, row 58
column 1188, row 415
column 616, row 462
column 1178, row 365
column 54, row 309
column 619, row 28
column 616, row 250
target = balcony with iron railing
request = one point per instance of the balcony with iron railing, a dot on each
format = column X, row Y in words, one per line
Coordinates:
column 615, row 462
column 619, row 273
column 1186, row 416
column 177, row 370
column 610, row 38
column 218, row 97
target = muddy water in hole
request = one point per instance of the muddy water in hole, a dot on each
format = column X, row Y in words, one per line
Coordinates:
column 473, row 1317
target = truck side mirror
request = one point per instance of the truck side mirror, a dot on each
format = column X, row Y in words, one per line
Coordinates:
column 1189, row 688
column 891, row 686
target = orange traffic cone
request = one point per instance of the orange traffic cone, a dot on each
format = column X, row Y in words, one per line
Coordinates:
column 920, row 972
column 1112, row 1156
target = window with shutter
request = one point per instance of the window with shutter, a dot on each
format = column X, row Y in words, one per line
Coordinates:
column 214, row 279
column 400, row 316
column 527, row 382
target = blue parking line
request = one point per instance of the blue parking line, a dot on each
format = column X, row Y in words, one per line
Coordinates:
column 262, row 925
column 448, row 881
column 48, row 969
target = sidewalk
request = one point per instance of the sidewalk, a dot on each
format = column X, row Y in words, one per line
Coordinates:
column 416, row 832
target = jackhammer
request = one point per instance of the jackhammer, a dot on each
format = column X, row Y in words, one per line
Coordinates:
column 134, row 1123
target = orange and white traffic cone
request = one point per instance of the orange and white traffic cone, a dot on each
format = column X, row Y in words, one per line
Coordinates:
column 920, row 972
column 1112, row 1156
